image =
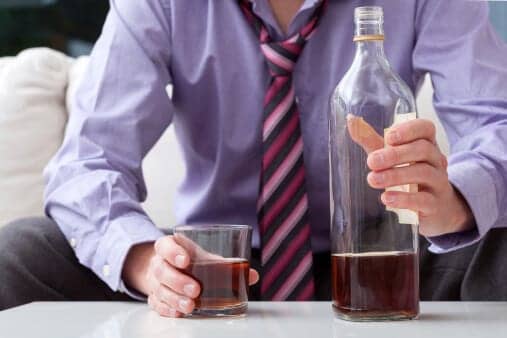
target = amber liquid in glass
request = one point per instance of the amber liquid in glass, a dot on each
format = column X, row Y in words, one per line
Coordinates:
column 224, row 283
column 375, row 285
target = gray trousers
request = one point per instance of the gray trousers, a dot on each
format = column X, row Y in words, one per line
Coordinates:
column 37, row 264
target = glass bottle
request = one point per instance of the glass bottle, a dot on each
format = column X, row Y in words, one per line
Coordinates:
column 374, row 259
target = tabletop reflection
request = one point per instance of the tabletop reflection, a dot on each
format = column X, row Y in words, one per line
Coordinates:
column 265, row 320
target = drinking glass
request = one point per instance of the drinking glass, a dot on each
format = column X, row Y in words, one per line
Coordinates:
column 219, row 262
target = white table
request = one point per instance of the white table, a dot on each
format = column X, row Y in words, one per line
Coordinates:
column 270, row 320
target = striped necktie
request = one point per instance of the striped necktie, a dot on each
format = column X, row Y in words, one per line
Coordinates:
column 282, row 208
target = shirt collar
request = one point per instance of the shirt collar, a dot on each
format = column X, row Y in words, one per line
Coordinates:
column 262, row 9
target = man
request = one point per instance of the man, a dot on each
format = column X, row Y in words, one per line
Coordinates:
column 210, row 52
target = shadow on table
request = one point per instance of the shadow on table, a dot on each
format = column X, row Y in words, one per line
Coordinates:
column 265, row 312
column 440, row 317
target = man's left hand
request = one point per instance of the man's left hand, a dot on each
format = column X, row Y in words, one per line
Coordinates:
column 442, row 209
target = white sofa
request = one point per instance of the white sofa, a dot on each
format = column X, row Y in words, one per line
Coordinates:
column 35, row 88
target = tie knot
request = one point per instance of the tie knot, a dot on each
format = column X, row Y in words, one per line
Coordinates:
column 283, row 56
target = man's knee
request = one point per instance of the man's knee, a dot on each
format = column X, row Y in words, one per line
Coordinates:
column 26, row 243
column 24, row 236
column 487, row 272
column 25, row 247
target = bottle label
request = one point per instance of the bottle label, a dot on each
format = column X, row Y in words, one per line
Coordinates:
column 405, row 216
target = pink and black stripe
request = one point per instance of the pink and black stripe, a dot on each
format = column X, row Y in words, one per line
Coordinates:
column 283, row 202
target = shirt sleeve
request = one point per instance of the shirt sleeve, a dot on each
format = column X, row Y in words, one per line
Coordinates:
column 467, row 62
column 95, row 181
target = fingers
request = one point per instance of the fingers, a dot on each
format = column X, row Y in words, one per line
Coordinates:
column 175, row 301
column 162, row 308
column 423, row 202
column 174, row 279
column 420, row 150
column 419, row 173
column 363, row 134
column 172, row 291
column 167, row 248
column 253, row 277
column 410, row 131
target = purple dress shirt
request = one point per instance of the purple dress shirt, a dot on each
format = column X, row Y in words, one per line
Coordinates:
column 207, row 50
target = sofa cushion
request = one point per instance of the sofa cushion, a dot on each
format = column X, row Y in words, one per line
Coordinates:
column 4, row 62
column 32, row 123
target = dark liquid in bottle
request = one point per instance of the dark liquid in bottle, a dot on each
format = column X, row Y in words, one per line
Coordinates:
column 375, row 285
column 224, row 283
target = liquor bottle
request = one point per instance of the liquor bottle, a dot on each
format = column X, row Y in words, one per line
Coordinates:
column 374, row 249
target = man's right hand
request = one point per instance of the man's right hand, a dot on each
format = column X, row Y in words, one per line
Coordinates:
column 154, row 270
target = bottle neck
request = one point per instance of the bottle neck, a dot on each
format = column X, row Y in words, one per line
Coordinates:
column 369, row 39
column 370, row 48
column 369, row 27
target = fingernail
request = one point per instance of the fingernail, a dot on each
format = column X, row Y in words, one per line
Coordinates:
column 183, row 304
column 388, row 199
column 189, row 290
column 256, row 280
column 378, row 158
column 394, row 136
column 180, row 260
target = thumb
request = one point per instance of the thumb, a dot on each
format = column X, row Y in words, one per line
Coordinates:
column 253, row 277
column 363, row 134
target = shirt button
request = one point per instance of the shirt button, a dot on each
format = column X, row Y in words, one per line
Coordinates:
column 72, row 242
column 169, row 90
column 106, row 270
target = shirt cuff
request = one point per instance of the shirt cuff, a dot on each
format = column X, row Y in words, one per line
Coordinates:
column 121, row 235
column 478, row 188
column 131, row 292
